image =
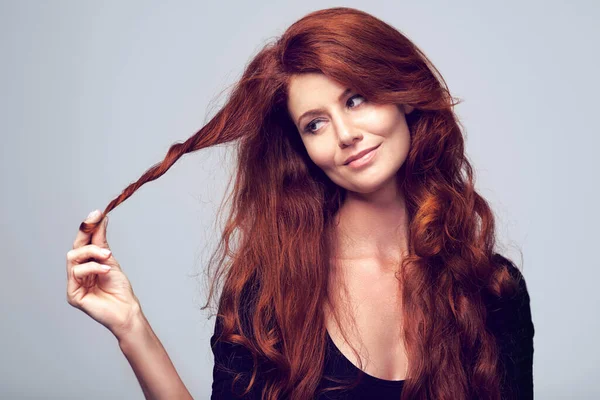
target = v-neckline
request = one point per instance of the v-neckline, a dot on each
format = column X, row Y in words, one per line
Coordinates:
column 368, row 377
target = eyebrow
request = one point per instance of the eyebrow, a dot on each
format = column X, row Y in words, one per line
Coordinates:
column 320, row 110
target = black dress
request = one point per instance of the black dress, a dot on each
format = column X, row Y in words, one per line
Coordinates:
column 509, row 319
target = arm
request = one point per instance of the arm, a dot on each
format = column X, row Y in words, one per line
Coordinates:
column 151, row 363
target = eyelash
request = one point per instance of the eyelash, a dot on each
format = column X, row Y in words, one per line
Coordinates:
column 317, row 120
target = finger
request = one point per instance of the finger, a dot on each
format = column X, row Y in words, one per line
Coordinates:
column 99, row 236
column 83, row 270
column 84, row 253
column 83, row 238
column 85, row 275
column 80, row 274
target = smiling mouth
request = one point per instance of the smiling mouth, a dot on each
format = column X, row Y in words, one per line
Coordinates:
column 364, row 159
column 361, row 155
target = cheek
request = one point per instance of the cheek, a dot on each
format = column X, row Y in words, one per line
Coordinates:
column 322, row 158
column 385, row 121
column 321, row 154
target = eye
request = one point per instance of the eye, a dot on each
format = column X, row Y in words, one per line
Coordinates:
column 356, row 95
column 307, row 128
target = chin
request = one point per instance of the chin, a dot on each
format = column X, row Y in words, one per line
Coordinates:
column 366, row 188
column 369, row 183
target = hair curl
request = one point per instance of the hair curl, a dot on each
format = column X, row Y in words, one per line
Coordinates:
column 277, row 237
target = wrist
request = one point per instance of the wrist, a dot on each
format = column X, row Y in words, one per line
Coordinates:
column 134, row 329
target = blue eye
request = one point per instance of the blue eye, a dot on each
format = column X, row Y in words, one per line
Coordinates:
column 315, row 121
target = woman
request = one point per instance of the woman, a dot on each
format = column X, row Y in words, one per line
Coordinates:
column 358, row 259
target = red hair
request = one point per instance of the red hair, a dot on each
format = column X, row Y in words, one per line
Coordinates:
column 277, row 237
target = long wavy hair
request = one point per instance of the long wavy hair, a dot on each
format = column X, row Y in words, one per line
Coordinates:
column 277, row 237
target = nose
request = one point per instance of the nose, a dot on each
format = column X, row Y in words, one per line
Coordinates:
column 347, row 134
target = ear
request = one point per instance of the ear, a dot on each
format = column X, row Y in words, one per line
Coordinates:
column 407, row 109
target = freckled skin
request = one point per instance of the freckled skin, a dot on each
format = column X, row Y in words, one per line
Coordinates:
column 347, row 127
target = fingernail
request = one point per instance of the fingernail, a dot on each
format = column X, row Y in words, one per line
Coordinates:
column 105, row 267
column 92, row 214
column 106, row 221
column 105, row 251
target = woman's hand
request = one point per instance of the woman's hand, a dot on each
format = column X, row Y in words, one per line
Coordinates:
column 103, row 294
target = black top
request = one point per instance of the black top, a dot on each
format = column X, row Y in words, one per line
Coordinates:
column 509, row 319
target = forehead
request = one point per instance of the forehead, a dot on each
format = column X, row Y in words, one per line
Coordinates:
column 311, row 90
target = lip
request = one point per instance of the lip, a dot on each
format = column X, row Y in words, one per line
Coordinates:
column 362, row 157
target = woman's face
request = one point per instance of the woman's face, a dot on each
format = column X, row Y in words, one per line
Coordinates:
column 345, row 124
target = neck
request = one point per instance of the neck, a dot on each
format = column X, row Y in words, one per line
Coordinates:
column 373, row 226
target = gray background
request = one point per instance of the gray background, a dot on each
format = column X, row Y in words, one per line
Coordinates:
column 94, row 93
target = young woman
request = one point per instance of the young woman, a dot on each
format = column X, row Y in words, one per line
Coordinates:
column 358, row 260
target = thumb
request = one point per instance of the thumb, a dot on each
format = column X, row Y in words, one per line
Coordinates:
column 99, row 236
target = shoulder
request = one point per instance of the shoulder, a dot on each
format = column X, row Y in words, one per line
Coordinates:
column 510, row 319
column 516, row 303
